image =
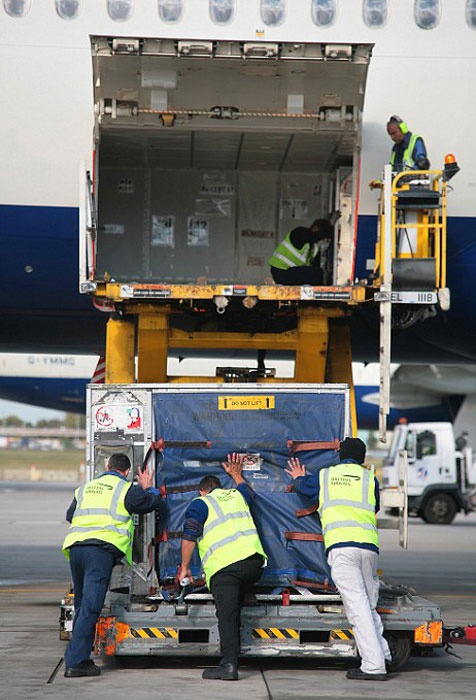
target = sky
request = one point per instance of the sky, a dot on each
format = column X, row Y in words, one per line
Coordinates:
column 28, row 414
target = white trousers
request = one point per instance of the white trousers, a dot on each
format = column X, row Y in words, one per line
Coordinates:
column 354, row 572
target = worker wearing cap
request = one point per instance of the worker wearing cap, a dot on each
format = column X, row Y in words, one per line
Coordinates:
column 348, row 497
column 232, row 556
column 100, row 535
column 297, row 259
column 408, row 152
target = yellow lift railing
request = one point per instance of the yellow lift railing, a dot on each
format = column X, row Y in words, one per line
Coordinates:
column 410, row 256
column 418, row 231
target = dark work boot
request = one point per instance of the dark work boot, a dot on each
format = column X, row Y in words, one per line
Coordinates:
column 356, row 674
column 223, row 672
column 88, row 668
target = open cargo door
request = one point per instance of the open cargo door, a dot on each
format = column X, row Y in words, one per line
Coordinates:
column 209, row 152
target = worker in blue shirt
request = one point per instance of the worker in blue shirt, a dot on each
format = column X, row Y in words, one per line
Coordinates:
column 348, row 498
column 408, row 152
column 232, row 556
column 100, row 535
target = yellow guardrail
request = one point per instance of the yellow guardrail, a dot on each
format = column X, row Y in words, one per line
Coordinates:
column 418, row 222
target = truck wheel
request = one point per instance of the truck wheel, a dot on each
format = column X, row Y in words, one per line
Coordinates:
column 401, row 647
column 440, row 508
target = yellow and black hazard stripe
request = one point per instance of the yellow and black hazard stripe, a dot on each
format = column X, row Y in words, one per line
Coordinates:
column 154, row 633
column 274, row 633
column 345, row 635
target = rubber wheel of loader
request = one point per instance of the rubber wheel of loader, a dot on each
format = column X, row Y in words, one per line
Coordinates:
column 401, row 648
column 439, row 509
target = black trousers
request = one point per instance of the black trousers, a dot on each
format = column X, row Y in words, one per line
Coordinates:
column 298, row 275
column 228, row 587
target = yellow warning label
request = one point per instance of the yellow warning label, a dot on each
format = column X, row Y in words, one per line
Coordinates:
column 274, row 633
column 245, row 403
column 151, row 632
column 341, row 634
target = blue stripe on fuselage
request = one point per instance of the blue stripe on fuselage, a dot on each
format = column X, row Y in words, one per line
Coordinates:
column 44, row 240
column 39, row 262
column 66, row 394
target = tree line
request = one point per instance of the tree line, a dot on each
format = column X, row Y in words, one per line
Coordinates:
column 70, row 420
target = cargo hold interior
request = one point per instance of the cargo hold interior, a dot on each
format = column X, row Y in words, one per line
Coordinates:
column 205, row 163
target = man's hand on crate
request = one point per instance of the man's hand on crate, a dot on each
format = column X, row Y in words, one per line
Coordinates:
column 145, row 477
column 234, row 466
column 296, row 469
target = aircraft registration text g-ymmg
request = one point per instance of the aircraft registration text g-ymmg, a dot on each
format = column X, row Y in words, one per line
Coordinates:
column 245, row 403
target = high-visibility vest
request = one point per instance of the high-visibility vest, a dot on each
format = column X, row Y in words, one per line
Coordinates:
column 101, row 515
column 286, row 255
column 407, row 160
column 229, row 532
column 347, row 504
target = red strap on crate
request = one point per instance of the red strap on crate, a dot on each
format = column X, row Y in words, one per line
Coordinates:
column 304, row 536
column 306, row 445
column 306, row 511
column 186, row 488
column 314, row 584
column 168, row 535
column 161, row 444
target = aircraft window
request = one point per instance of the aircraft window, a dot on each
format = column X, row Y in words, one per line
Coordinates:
column 427, row 13
column 222, row 11
column 120, row 10
column 323, row 12
column 272, row 12
column 471, row 13
column 67, row 9
column 374, row 12
column 170, row 10
column 16, row 8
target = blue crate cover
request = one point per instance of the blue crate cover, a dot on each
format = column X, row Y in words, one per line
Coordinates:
column 263, row 434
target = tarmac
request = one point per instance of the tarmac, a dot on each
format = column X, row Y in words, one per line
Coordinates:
column 31, row 651
column 32, row 524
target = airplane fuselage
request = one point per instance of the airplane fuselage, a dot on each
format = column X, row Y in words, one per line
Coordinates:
column 47, row 131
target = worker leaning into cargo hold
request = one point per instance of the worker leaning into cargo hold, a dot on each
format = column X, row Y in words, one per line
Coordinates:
column 408, row 152
column 348, row 497
column 303, row 254
column 100, row 535
column 232, row 556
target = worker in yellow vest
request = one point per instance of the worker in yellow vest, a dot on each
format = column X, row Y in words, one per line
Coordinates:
column 408, row 152
column 348, row 498
column 100, row 535
column 298, row 258
column 232, row 556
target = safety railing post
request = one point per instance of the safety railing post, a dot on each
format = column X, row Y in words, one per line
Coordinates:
column 385, row 298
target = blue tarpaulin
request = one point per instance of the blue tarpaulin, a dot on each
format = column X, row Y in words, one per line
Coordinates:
column 200, row 428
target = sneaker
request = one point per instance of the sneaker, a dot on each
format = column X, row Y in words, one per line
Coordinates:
column 356, row 674
column 88, row 668
column 223, row 672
